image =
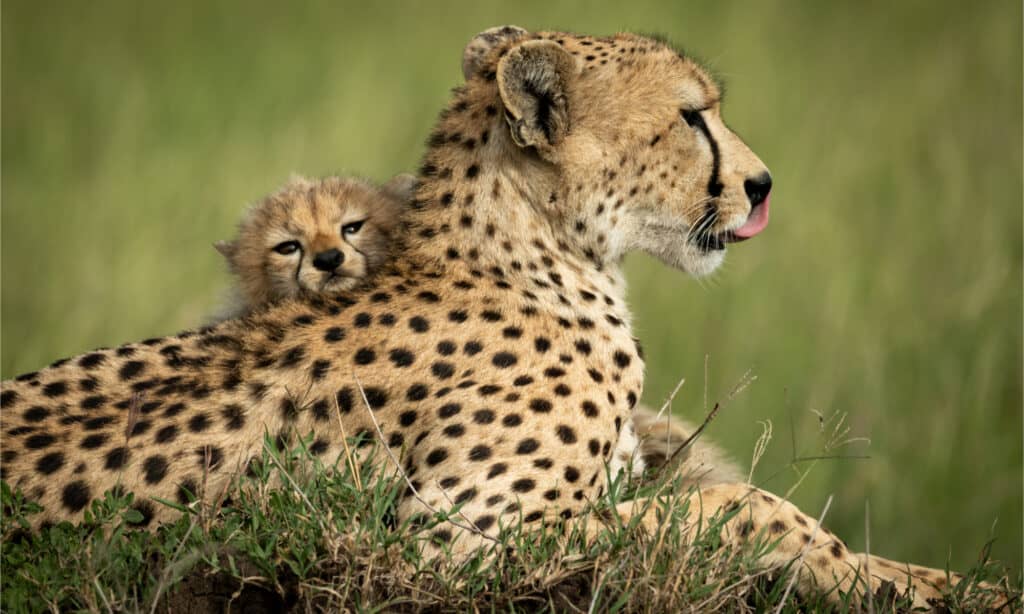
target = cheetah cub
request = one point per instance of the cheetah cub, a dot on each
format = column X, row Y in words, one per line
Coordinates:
column 312, row 236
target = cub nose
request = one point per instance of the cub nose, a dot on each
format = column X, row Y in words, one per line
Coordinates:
column 757, row 189
column 328, row 260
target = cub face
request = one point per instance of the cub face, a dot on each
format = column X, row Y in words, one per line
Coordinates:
column 314, row 236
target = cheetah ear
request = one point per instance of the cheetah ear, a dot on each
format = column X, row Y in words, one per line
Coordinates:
column 477, row 49
column 533, row 80
column 402, row 187
column 226, row 249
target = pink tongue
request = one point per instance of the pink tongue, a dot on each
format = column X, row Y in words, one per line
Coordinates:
column 755, row 223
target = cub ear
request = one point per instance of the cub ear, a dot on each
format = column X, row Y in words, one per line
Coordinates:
column 533, row 80
column 478, row 48
column 226, row 249
column 402, row 187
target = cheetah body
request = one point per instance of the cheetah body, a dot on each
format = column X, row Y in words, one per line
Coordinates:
column 494, row 354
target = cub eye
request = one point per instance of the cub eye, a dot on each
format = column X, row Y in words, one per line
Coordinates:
column 351, row 228
column 287, row 247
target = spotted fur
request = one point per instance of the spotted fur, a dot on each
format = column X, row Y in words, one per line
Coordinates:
column 495, row 352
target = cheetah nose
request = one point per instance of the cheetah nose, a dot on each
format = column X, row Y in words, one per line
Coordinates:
column 757, row 188
column 328, row 260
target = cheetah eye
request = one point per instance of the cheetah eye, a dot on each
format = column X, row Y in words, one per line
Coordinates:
column 693, row 119
column 287, row 247
column 351, row 228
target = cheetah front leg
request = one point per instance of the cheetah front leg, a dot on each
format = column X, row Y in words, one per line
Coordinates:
column 822, row 561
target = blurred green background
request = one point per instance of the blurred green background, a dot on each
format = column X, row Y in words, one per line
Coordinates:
column 888, row 286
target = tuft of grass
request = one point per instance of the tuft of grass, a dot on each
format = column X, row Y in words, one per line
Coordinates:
column 298, row 536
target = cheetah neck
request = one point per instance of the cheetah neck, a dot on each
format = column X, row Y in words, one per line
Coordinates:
column 486, row 207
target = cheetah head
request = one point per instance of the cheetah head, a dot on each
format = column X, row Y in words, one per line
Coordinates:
column 633, row 130
column 315, row 236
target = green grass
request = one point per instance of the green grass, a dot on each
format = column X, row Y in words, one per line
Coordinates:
column 888, row 285
column 291, row 538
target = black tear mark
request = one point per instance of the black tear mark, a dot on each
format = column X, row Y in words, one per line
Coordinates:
column 695, row 120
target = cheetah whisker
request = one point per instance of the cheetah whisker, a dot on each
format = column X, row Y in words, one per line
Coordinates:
column 405, row 477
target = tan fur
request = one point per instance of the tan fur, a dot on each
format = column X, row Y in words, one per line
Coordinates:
column 496, row 350
column 313, row 213
column 702, row 463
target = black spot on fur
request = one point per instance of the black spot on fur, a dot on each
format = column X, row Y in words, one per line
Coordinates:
column 234, row 417
column 50, row 463
column 488, row 389
column 37, row 442
column 442, row 370
column 131, row 369
column 437, row 456
column 566, row 434
column 483, row 416
column 292, row 357
column 155, row 468
column 76, row 496
column 448, row 410
column 91, row 361
column 55, row 389
column 35, row 414
column 94, row 424
column 116, row 458
column 167, row 434
column 187, row 491
column 454, row 430
column 7, row 398
column 198, row 423
column 527, row 446
column 417, row 392
column 504, row 360
column 216, row 455
column 523, row 485
column 541, row 406
column 365, row 356
column 376, row 397
column 344, row 398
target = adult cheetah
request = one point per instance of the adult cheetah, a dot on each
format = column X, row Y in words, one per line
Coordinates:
column 495, row 351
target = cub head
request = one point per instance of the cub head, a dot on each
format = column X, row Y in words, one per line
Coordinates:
column 322, row 235
column 633, row 131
